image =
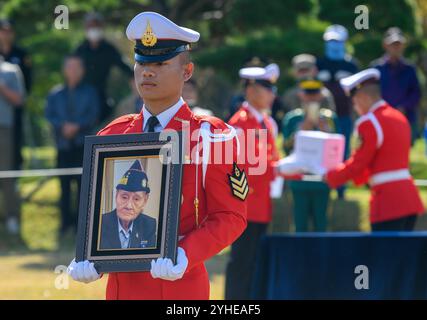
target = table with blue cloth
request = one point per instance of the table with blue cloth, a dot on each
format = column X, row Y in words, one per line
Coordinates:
column 323, row 265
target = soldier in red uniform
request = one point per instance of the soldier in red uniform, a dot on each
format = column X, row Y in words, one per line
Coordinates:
column 382, row 159
column 213, row 210
column 252, row 121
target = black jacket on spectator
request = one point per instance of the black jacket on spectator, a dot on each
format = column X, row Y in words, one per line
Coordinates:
column 98, row 63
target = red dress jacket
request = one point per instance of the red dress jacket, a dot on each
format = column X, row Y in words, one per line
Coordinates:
column 221, row 219
column 259, row 201
column 382, row 160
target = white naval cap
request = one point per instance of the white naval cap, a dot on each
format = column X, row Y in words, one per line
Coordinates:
column 352, row 83
column 266, row 75
column 335, row 32
column 157, row 38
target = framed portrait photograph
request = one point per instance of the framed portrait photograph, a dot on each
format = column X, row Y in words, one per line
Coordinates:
column 130, row 200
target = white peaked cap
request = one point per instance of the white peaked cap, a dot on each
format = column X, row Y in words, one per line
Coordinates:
column 162, row 27
column 269, row 73
column 355, row 80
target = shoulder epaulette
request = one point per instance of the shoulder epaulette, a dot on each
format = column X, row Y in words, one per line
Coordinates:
column 120, row 120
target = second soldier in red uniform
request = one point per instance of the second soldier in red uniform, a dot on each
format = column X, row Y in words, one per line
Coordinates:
column 257, row 132
column 382, row 159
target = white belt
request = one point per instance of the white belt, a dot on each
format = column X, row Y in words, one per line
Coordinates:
column 389, row 176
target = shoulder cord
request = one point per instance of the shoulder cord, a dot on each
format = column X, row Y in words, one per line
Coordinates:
column 208, row 137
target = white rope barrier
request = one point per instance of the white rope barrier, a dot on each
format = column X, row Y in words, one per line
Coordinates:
column 78, row 171
column 420, row 183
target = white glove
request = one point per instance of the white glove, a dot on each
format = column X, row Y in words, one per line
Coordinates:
column 83, row 271
column 289, row 165
column 316, row 169
column 163, row 268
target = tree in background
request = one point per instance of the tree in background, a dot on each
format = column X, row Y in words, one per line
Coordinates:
column 232, row 32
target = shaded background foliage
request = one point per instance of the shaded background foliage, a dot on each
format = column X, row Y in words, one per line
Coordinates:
column 232, row 31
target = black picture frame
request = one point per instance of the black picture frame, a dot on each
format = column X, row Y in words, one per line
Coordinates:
column 98, row 151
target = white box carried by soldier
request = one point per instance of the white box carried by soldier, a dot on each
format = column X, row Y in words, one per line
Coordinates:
column 319, row 150
column 315, row 152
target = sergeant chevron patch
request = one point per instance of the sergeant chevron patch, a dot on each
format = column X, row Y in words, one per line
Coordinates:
column 238, row 183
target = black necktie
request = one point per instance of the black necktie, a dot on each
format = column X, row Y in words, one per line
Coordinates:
column 152, row 123
column 263, row 124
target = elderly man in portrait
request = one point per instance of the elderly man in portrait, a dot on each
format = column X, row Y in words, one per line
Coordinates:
column 127, row 226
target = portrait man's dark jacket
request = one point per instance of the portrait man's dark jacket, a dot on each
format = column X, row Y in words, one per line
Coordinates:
column 143, row 233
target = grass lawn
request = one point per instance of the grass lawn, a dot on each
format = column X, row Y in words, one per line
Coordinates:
column 27, row 267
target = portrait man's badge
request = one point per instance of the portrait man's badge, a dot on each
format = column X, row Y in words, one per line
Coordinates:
column 143, row 243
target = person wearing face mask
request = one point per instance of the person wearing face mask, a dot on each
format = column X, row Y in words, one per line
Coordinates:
column 252, row 120
column 99, row 57
column 382, row 158
column 334, row 66
column 311, row 198
column 399, row 81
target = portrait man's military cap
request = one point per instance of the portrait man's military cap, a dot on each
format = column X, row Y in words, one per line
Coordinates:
column 135, row 179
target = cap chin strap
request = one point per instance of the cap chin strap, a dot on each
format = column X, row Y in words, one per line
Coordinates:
column 161, row 51
column 161, row 57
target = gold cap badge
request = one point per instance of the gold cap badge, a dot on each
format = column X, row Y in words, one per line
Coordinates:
column 148, row 38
